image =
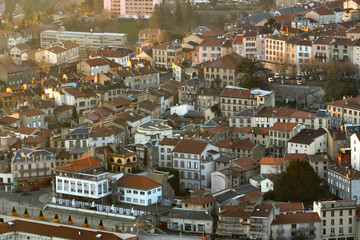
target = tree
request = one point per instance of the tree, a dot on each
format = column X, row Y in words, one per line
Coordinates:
column 267, row 5
column 251, row 74
column 74, row 113
column 332, row 86
column 178, row 14
column 299, row 183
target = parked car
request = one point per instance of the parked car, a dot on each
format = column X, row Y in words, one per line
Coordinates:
column 287, row 77
column 270, row 79
column 298, row 77
column 276, row 75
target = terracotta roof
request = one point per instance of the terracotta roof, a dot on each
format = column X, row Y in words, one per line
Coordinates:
column 296, row 218
column 303, row 114
column 236, row 213
column 25, row 130
column 96, row 61
column 271, row 161
column 290, row 207
column 169, row 141
column 243, row 144
column 81, row 164
column 137, row 182
column 33, row 140
column 283, row 126
column 323, row 11
column 8, row 120
column 353, row 103
column 32, row 112
column 199, row 200
column 119, row 102
column 266, row 112
column 284, row 112
column 151, row 31
column 262, row 211
column 228, row 61
column 56, row 49
column 323, row 40
column 238, row 40
column 190, row 146
column 235, row 92
column 246, row 163
column 60, row 231
column 211, row 41
column 78, row 92
column 296, row 156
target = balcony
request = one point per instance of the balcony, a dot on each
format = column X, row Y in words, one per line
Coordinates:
column 258, row 222
column 257, row 230
column 35, row 169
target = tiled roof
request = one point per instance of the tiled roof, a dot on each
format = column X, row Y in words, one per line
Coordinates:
column 151, row 31
column 271, row 161
column 296, row 156
column 25, row 130
column 283, row 126
column 228, row 61
column 235, row 213
column 169, row 141
column 284, row 112
column 98, row 61
column 323, row 11
column 136, row 182
column 246, row 163
column 353, row 103
column 262, row 211
column 238, row 40
column 296, row 218
column 199, row 200
column 307, row 136
column 32, row 112
column 190, row 146
column 212, row 41
column 290, row 207
column 81, row 164
column 234, row 92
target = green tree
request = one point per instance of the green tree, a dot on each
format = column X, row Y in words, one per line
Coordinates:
column 299, row 183
column 332, row 85
column 178, row 14
column 251, row 74
column 74, row 113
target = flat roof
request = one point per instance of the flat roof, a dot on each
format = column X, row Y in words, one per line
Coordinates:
column 89, row 33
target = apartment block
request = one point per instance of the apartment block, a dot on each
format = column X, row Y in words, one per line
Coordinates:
column 130, row 8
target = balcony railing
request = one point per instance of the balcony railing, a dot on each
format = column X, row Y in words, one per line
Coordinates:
column 35, row 169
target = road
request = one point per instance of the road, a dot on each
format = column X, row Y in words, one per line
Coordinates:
column 168, row 237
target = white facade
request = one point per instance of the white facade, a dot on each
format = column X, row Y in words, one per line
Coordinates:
column 85, row 185
column 155, row 129
column 319, row 145
column 144, row 197
column 181, row 110
column 16, row 39
column 355, row 152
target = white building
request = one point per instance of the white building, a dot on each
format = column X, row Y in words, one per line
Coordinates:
column 16, row 39
column 272, row 165
column 138, row 190
column 166, row 147
column 59, row 53
column 181, row 110
column 155, row 129
column 308, row 141
column 195, row 161
column 84, row 178
column 355, row 151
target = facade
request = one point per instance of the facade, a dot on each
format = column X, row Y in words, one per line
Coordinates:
column 139, row 78
column 344, row 183
column 125, row 162
column 166, row 147
column 130, row 9
column 33, row 118
column 165, row 54
column 138, row 190
column 338, row 218
column 13, row 74
column 58, row 53
column 93, row 66
column 308, row 141
column 85, row 40
column 155, row 129
column 213, row 47
column 149, row 34
column 344, row 111
column 82, row 99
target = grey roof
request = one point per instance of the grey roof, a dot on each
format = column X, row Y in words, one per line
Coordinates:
column 322, row 113
column 189, row 214
column 213, row 122
column 200, row 30
column 318, row 158
column 222, row 197
column 194, row 81
column 246, row 189
column 33, row 155
column 224, row 159
column 156, row 124
column 247, row 112
column 80, row 129
column 260, row 177
column 174, row 46
column 193, row 114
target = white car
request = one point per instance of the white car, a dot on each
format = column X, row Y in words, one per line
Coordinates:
column 270, row 79
column 276, row 75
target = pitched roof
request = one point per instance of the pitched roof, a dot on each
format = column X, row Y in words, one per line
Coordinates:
column 199, row 200
column 190, row 146
column 296, row 218
column 169, row 141
column 96, row 61
column 284, row 112
column 228, row 61
column 307, row 136
column 235, row 92
column 81, row 164
column 323, row 11
column 210, row 41
column 137, row 182
column 245, row 163
column 271, row 161
column 295, row 156
column 290, row 207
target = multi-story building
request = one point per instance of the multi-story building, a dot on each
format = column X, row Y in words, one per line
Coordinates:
column 189, row 90
column 288, row 226
column 275, row 49
column 213, row 47
column 15, row 39
column 322, row 15
column 346, row 110
column 338, row 219
column 344, row 183
column 13, row 74
column 124, row 161
column 130, row 8
column 298, row 51
column 221, row 72
column 149, row 34
column 207, row 98
column 85, row 179
column 308, row 141
column 139, row 78
column 279, row 135
column 93, row 66
column 138, row 190
column 85, row 40
column 82, row 99
column 165, row 54
column 195, row 161
column 234, row 99
column 33, row 118
column 58, row 53
column 355, row 151
column 166, row 147
column 32, row 168
column 155, row 129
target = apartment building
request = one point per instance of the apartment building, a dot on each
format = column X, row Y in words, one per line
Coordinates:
column 322, row 15
column 221, row 72
column 138, row 190
column 149, row 34
column 85, row 178
column 139, row 78
column 156, row 129
column 207, row 98
column 344, row 183
column 346, row 110
column 166, row 147
column 234, row 99
column 58, row 53
column 33, row 118
column 165, row 54
column 298, row 51
column 130, row 8
column 13, row 74
column 93, row 66
column 308, row 141
column 195, row 161
column 213, row 47
column 82, row 99
column 238, row 44
column 32, row 168
column 85, row 40
column 338, row 218
column 275, row 48
column 355, row 151
column 279, row 135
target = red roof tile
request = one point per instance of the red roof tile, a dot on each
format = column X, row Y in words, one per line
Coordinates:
column 137, row 182
column 81, row 164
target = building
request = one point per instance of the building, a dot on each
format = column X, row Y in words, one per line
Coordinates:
column 138, row 190
column 338, row 218
column 85, row 40
column 346, row 110
column 13, row 74
column 322, row 15
column 93, row 66
column 139, row 78
column 58, row 53
column 195, row 160
column 355, row 151
column 149, row 34
column 33, row 118
column 85, row 179
column 82, row 99
column 165, row 54
column 308, row 141
column 275, row 49
column 344, row 183
column 271, row 165
column 130, row 9
column 235, row 99
column 287, row 226
column 155, row 129
column 213, row 47
column 166, row 147
column 32, row 168
column 125, row 161
column 204, row 202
